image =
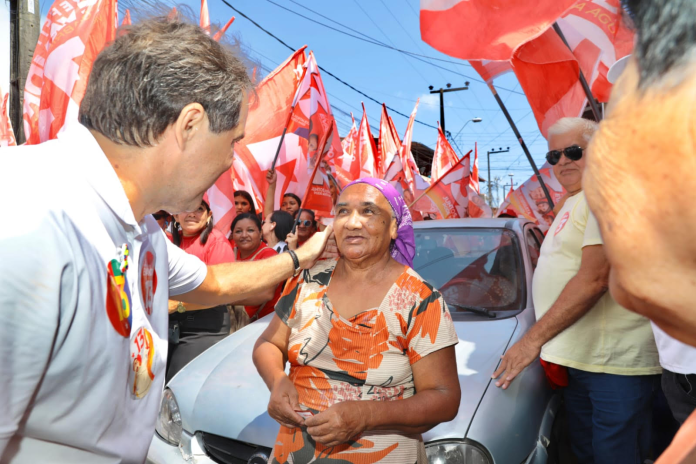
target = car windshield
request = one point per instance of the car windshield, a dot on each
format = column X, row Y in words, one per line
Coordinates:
column 480, row 268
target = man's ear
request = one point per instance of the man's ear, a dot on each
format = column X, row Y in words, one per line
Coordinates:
column 191, row 120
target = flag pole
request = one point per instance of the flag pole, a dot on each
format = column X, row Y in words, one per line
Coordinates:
column 524, row 146
column 439, row 179
column 583, row 81
column 287, row 123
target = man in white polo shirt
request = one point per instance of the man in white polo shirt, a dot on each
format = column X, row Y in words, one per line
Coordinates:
column 609, row 353
column 85, row 270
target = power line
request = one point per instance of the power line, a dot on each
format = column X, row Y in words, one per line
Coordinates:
column 379, row 43
column 322, row 68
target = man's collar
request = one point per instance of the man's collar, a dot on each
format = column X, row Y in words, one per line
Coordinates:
column 98, row 171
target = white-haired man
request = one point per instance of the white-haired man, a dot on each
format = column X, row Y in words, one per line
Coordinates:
column 609, row 352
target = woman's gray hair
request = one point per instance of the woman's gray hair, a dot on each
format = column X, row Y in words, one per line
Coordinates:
column 577, row 125
column 140, row 83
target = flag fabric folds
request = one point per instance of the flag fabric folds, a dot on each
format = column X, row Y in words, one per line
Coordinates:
column 347, row 163
column 529, row 201
column 450, row 178
column 71, row 38
column 366, row 150
column 474, row 179
column 486, row 29
column 268, row 114
column 7, row 137
column 388, row 144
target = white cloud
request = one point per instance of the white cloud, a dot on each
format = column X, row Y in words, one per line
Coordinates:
column 430, row 100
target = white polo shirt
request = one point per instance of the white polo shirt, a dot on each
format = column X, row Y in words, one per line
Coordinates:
column 82, row 349
column 675, row 356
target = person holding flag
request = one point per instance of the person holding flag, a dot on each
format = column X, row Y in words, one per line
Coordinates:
column 85, row 279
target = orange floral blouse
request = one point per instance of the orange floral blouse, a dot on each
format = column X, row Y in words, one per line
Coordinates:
column 365, row 358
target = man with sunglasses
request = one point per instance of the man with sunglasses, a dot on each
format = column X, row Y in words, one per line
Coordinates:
column 602, row 353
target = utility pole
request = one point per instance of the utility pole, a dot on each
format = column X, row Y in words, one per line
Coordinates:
column 511, row 184
column 25, row 26
column 488, row 157
column 442, row 100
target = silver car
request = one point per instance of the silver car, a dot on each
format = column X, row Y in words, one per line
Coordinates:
column 214, row 410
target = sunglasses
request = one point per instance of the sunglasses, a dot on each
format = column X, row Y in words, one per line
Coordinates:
column 573, row 153
column 305, row 223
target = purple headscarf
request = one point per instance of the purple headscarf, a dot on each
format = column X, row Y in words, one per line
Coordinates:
column 404, row 248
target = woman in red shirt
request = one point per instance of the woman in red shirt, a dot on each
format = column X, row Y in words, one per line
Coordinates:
column 246, row 234
column 198, row 328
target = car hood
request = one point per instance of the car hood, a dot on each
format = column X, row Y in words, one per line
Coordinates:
column 221, row 393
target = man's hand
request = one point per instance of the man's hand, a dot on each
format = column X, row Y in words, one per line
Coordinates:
column 338, row 424
column 331, row 250
column 313, row 248
column 271, row 177
column 284, row 402
column 519, row 356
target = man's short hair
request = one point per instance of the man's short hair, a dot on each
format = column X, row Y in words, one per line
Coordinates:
column 585, row 127
column 140, row 83
column 666, row 38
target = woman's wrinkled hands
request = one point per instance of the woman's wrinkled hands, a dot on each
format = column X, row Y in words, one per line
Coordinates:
column 339, row 424
column 284, row 402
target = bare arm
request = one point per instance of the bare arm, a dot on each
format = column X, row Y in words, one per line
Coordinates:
column 269, row 206
column 270, row 356
column 579, row 296
column 437, row 400
column 235, row 282
column 263, row 296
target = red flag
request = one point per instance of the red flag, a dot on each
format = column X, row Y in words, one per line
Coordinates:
column 478, row 208
column 489, row 70
column 529, row 200
column 7, row 138
column 474, row 179
column 597, row 27
column 71, row 38
column 347, row 164
column 367, row 152
column 450, row 176
column 268, row 115
column 218, row 35
column 389, row 142
column 317, row 197
column 486, row 29
column 126, row 19
column 205, row 16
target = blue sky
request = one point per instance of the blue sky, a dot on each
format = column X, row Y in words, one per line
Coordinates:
column 384, row 74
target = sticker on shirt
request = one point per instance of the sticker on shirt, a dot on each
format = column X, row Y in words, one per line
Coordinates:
column 142, row 349
column 118, row 297
column 561, row 225
column 148, row 280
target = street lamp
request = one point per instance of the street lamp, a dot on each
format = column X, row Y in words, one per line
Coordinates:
column 474, row 120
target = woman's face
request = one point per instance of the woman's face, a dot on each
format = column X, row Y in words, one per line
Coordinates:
column 246, row 235
column 303, row 231
column 194, row 222
column 290, row 205
column 241, row 204
column 267, row 229
column 364, row 223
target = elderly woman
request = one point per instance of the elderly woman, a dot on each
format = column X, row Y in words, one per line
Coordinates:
column 363, row 334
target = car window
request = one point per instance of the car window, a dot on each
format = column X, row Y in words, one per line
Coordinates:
column 472, row 267
column 534, row 247
column 538, row 235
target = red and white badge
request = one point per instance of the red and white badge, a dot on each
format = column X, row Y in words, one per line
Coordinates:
column 142, row 348
column 561, row 225
column 148, row 280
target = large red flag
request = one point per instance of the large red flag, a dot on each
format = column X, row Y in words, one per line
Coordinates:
column 450, row 177
column 317, row 197
column 486, row 29
column 71, row 38
column 347, row 164
column 529, row 201
column 268, row 114
column 366, row 152
column 389, row 142
column 7, row 138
